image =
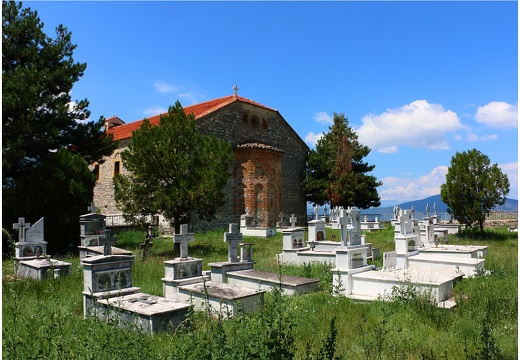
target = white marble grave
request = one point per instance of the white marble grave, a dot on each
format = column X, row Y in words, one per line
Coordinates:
column 31, row 260
column 249, row 228
column 108, row 293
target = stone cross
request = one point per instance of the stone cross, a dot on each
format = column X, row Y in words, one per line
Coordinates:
column 21, row 226
column 183, row 238
column 325, row 210
column 316, row 209
column 293, row 220
column 92, row 208
column 435, row 209
column 107, row 242
column 344, row 220
column 146, row 245
column 281, row 217
column 427, row 210
column 233, row 238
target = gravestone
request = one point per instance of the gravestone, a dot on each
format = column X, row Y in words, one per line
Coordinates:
column 233, row 238
column 31, row 259
column 246, row 252
column 293, row 220
column 344, row 220
column 21, row 226
column 31, row 239
column 390, row 259
column 183, row 267
column 146, row 245
column 107, row 242
column 355, row 236
column 316, row 211
column 183, row 238
column 316, row 231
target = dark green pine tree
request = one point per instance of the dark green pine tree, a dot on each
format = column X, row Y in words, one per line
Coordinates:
column 173, row 170
column 40, row 121
column 473, row 188
column 336, row 171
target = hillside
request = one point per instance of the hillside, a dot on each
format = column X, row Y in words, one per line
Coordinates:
column 420, row 206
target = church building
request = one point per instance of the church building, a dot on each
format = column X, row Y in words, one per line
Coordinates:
column 268, row 170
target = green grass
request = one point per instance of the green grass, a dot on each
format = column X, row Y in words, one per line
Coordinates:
column 45, row 319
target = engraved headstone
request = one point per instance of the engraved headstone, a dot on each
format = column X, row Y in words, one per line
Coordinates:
column 183, row 238
column 233, row 238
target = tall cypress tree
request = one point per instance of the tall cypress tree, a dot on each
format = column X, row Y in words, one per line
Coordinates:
column 336, row 172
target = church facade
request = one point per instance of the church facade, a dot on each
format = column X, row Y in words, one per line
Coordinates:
column 267, row 174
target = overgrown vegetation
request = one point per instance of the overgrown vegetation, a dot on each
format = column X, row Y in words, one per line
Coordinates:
column 45, row 319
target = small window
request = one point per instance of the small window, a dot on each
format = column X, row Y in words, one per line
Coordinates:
column 117, row 167
column 264, row 124
column 255, row 122
column 245, row 118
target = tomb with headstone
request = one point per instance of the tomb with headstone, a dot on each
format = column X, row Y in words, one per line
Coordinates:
column 429, row 274
column 239, row 271
column 248, row 227
column 371, row 223
column 91, row 229
column 334, row 217
column 318, row 249
column 108, row 294
column 185, row 281
column 31, row 259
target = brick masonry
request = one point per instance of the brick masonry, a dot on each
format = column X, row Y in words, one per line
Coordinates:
column 267, row 174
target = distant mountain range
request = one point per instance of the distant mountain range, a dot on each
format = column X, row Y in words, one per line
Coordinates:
column 419, row 206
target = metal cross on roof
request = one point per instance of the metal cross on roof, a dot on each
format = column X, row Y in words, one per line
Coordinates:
column 235, row 89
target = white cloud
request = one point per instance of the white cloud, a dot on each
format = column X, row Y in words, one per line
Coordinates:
column 312, row 138
column 472, row 137
column 511, row 170
column 165, row 88
column 498, row 114
column 418, row 125
column 188, row 97
column 154, row 110
column 406, row 189
column 323, row 118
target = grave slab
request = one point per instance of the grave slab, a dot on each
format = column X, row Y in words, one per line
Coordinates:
column 228, row 300
column 147, row 312
column 42, row 268
column 256, row 279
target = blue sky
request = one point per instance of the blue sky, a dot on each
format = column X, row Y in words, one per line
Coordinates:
column 418, row 81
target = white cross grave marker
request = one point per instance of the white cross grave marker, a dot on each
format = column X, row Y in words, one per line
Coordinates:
column 233, row 238
column 183, row 238
column 293, row 220
column 92, row 208
column 21, row 226
column 316, row 209
column 344, row 220
column 107, row 242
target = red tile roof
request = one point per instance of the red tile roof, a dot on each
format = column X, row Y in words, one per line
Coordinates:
column 198, row 110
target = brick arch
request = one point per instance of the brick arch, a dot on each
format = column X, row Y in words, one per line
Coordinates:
column 258, row 182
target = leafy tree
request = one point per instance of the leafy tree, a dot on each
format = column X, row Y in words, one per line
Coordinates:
column 336, row 171
column 173, row 170
column 38, row 117
column 473, row 187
